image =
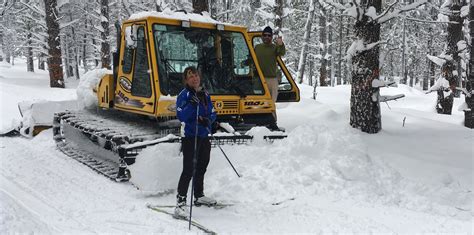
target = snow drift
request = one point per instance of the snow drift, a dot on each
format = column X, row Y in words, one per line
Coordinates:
column 315, row 159
column 85, row 90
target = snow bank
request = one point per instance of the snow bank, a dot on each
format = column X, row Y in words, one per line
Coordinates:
column 157, row 168
column 320, row 157
column 86, row 96
column 4, row 64
column 314, row 160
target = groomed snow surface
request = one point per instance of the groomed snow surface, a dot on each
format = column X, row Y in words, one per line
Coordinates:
column 327, row 176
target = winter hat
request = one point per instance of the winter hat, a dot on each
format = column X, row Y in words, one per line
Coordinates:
column 268, row 30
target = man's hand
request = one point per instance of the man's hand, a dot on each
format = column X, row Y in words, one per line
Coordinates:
column 279, row 41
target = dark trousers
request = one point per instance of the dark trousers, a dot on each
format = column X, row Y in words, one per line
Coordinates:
column 203, row 155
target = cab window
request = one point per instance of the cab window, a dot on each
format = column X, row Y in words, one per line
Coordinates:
column 141, row 82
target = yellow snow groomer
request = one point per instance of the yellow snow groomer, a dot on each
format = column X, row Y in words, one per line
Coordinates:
column 137, row 103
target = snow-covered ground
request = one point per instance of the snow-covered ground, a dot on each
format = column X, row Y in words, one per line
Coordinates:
column 328, row 176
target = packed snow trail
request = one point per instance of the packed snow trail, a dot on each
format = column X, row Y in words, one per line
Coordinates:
column 44, row 191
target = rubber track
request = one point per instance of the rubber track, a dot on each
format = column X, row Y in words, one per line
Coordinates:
column 108, row 170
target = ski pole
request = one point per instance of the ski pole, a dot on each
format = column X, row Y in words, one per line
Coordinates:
column 194, row 166
column 225, row 155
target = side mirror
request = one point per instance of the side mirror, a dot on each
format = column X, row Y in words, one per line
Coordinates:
column 131, row 36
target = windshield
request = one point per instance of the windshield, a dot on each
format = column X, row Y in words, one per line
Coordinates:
column 223, row 59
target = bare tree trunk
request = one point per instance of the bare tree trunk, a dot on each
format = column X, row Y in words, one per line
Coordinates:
column 104, row 35
column 76, row 50
column 365, row 106
column 29, row 54
column 391, row 65
column 413, row 67
column 94, row 42
column 54, row 44
column 323, row 75
column 200, row 6
column 214, row 9
column 404, row 65
column 66, row 58
column 432, row 74
column 41, row 59
column 228, row 6
column 84, row 48
column 329, row 49
column 7, row 56
column 348, row 64
column 310, row 77
column 304, row 53
column 426, row 78
column 339, row 63
column 1, row 46
column 454, row 36
column 279, row 4
column 469, row 115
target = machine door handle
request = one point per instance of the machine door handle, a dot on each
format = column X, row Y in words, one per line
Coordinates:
column 149, row 103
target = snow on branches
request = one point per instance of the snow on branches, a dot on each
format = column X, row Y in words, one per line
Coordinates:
column 358, row 10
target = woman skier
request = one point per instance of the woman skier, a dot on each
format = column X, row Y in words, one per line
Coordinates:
column 194, row 108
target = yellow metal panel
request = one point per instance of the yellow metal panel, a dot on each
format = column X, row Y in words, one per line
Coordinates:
column 124, row 100
column 257, row 104
column 105, row 91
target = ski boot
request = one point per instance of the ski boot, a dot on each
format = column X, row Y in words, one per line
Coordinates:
column 206, row 201
column 181, row 211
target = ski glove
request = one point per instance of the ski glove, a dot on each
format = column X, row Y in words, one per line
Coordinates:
column 204, row 121
column 194, row 100
column 201, row 94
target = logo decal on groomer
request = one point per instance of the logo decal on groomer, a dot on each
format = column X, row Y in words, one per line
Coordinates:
column 125, row 84
column 219, row 104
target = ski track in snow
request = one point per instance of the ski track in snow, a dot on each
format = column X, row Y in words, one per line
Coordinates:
column 57, row 194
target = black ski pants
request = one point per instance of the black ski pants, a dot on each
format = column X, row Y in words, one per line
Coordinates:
column 203, row 155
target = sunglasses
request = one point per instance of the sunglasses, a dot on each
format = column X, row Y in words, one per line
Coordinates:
column 267, row 35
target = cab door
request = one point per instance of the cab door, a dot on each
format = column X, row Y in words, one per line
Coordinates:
column 135, row 88
column 288, row 91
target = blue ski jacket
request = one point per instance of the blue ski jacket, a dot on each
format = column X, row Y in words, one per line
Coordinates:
column 186, row 112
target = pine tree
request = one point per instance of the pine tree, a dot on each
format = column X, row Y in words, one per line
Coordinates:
column 365, row 110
